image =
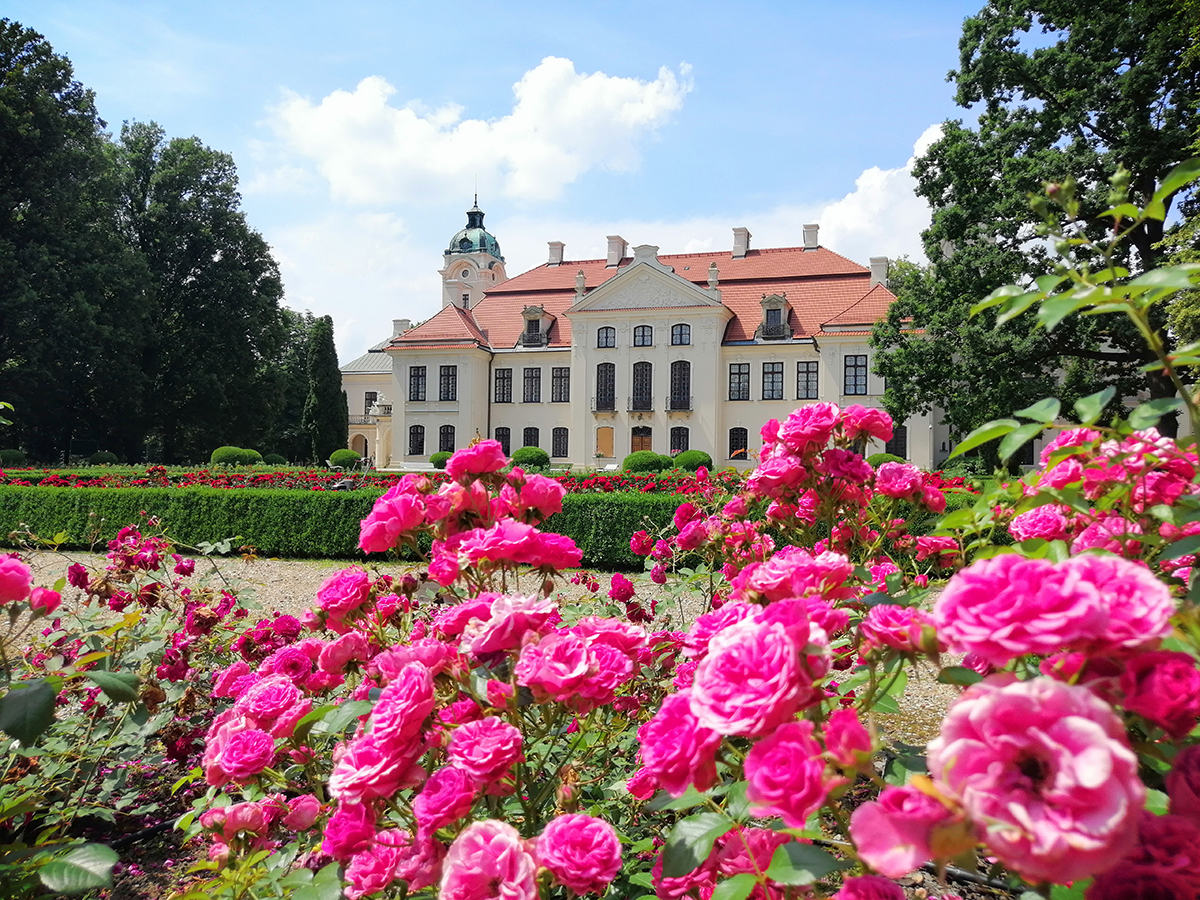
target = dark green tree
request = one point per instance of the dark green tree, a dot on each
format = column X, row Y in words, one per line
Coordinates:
column 287, row 382
column 326, row 414
column 1063, row 88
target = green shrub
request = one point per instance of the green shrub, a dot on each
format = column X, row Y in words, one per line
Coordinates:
column 103, row 458
column 274, row 459
column 234, row 456
column 531, row 458
column 875, row 460
column 691, row 460
column 12, row 458
column 251, row 457
column 343, row 458
column 439, row 459
column 645, row 461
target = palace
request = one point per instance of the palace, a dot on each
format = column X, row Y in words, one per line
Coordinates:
column 593, row 359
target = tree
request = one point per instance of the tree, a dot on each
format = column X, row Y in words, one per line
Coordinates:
column 288, row 385
column 1103, row 88
column 326, row 413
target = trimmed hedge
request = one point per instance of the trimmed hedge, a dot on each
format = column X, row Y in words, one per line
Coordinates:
column 275, row 459
column 530, row 458
column 12, row 457
column 103, row 458
column 344, row 458
column 875, row 460
column 234, row 456
column 439, row 459
column 299, row 524
column 691, row 460
column 645, row 461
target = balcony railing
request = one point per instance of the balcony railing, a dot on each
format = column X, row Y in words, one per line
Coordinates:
column 381, row 409
column 773, row 331
column 534, row 339
column 362, row 420
column 679, row 403
column 604, row 404
column 640, row 404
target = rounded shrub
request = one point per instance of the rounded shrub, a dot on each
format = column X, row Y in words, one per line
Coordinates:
column 440, row 458
column 343, row 458
column 274, row 459
column 226, row 456
column 645, row 461
column 251, row 457
column 693, row 459
column 12, row 458
column 531, row 458
column 875, row 460
column 102, row 458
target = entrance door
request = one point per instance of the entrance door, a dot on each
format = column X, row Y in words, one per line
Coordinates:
column 641, row 438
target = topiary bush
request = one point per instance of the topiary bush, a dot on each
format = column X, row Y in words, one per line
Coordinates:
column 645, row 461
column 103, row 458
column 343, row 458
column 875, row 460
column 531, row 458
column 274, row 459
column 439, row 459
column 691, row 460
column 251, row 457
column 234, row 456
column 12, row 458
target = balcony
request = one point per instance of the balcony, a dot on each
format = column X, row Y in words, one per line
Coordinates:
column 362, row 420
column 604, row 404
column 383, row 410
column 775, row 331
column 640, row 404
column 534, row 339
column 679, row 403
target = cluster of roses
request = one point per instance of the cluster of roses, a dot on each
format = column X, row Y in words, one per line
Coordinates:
column 1128, row 478
column 16, row 588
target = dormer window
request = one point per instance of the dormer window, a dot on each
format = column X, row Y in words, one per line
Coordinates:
column 537, row 327
column 533, row 326
column 774, row 325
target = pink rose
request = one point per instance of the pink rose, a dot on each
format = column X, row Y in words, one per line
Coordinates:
column 748, row 850
column 794, row 572
column 1165, row 862
column 846, row 740
column 775, row 476
column 785, row 774
column 1111, row 532
column 583, row 853
column 621, row 588
column 894, row 833
column 1183, row 784
column 485, row 749
column 942, row 550
column 45, row 601
column 479, row 459
column 246, row 753
column 541, row 495
column 370, row 768
column 902, row 628
column 554, row 667
column 641, row 543
column 372, row 870
column 864, row 420
column 392, row 515
column 509, row 620
column 1045, row 771
column 352, row 645
column 403, row 706
column 1163, row 687
column 302, row 812
column 274, row 704
column 419, row 864
column 489, row 860
column 16, row 579
column 838, row 463
column 1139, row 605
column 676, row 749
column 899, row 480
column 344, row 591
column 445, row 798
column 1049, row 522
column 933, row 499
column 810, row 426
column 869, row 887
column 350, row 830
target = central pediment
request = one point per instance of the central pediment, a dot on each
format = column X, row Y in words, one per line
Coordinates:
column 646, row 284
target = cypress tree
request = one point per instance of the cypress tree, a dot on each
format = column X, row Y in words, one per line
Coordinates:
column 326, row 414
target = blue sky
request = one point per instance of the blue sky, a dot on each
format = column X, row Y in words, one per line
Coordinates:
column 360, row 128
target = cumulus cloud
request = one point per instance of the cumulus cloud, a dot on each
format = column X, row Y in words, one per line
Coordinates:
column 562, row 124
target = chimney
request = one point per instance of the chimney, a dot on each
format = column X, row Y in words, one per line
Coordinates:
column 399, row 326
column 556, row 252
column 879, row 270
column 811, row 239
column 616, row 250
column 741, row 242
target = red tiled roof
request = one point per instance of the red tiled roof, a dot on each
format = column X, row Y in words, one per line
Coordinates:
column 870, row 309
column 450, row 324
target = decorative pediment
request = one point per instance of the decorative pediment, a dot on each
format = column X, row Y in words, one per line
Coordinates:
column 646, row 284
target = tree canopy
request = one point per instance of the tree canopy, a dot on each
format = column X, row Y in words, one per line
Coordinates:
column 1062, row 89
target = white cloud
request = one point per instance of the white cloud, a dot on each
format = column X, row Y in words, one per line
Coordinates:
column 563, row 123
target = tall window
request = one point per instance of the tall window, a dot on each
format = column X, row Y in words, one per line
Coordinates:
column 504, row 436
column 681, row 334
column 416, row 440
column 558, row 442
column 806, row 381
column 643, row 336
column 530, row 437
column 606, row 337
column 681, row 384
column 856, row 374
column 739, row 381
column 560, row 385
column 898, row 445
column 774, row 318
column 448, row 385
column 504, row 385
column 369, row 398
column 643, row 385
column 739, row 443
column 533, row 386
column 446, row 439
column 416, row 382
column 679, row 439
column 641, row 439
column 606, row 386
column 772, row 380
column 533, row 326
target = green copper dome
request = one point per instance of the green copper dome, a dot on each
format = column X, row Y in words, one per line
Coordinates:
column 475, row 238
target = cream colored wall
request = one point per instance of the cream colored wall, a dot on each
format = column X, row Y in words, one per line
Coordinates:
column 544, row 414
column 467, row 413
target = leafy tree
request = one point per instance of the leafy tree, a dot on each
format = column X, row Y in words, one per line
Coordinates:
column 287, row 383
column 1102, row 87
column 326, row 412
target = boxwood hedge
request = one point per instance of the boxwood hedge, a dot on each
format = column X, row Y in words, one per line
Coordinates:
column 299, row 524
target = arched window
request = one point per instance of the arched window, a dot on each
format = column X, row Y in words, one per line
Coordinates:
column 898, row 445
column 681, row 384
column 416, row 440
column 681, row 334
column 606, row 386
column 504, row 436
column 446, row 438
column 530, row 437
column 643, row 336
column 679, row 439
column 606, row 337
column 643, row 386
column 739, row 443
column 558, row 443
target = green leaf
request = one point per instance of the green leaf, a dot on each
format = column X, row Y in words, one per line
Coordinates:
column 1090, row 408
column 798, row 864
column 1123, row 211
column 1179, row 278
column 119, row 686
column 958, row 675
column 1148, row 413
column 27, row 710
column 337, row 721
column 662, row 800
column 1076, row 891
column 998, row 296
column 988, row 431
column 1182, row 547
column 83, row 869
column 1045, row 411
column 1014, row 440
column 1054, row 310
column 1183, row 174
column 736, row 888
column 1016, row 306
column 691, row 841
column 1156, row 802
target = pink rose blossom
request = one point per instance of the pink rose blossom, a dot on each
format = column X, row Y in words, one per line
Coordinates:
column 479, row 459
column 540, row 495
column 353, row 645
column 785, row 774
column 902, row 628
column 749, row 850
column 554, row 667
column 344, row 591
column 794, row 572
column 624, row 636
column 676, row 749
column 933, row 499
column 372, row 870
column 350, row 830
column 1049, row 522
column 45, row 601
column 1163, row 687
column 1111, row 532
column 846, row 740
column 658, row 574
column 393, row 514
column 1165, row 863
column 245, row 753
column 485, row 749
column 489, row 860
column 641, row 543
column 1183, row 784
column 899, row 480
column 869, row 887
column 419, row 864
column 302, row 812
column 1046, row 773
column 445, row 798
column 809, row 427
column 894, row 834
column 509, row 620
column 369, row 768
column 865, row 420
column 403, row 706
column 621, row 589
column 16, row 580
column 838, row 463
column 582, row 852
column 274, row 704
